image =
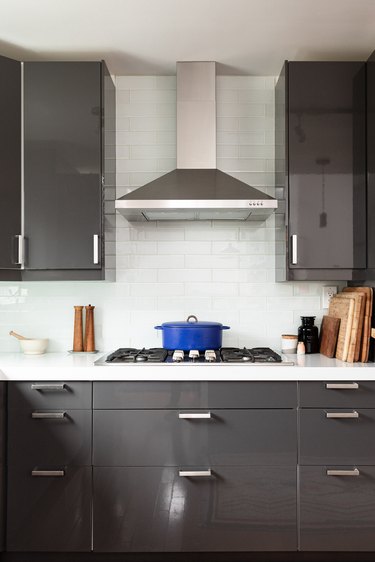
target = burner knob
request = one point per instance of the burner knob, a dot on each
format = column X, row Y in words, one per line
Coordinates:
column 178, row 356
column 210, row 355
column 194, row 354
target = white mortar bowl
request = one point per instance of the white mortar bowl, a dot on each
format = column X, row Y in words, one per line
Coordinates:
column 34, row 346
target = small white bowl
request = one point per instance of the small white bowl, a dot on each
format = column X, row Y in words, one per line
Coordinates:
column 34, row 346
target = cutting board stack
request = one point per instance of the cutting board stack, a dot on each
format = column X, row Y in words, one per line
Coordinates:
column 346, row 331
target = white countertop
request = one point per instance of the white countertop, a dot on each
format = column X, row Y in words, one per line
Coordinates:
column 66, row 366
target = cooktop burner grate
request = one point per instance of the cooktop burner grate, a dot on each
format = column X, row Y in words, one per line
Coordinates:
column 131, row 355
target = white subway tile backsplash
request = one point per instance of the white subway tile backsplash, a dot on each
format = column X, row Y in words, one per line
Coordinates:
column 218, row 270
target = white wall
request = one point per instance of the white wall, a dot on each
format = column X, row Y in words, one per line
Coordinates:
column 222, row 271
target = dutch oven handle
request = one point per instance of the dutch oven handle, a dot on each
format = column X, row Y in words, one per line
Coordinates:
column 158, row 327
column 193, row 317
column 225, row 327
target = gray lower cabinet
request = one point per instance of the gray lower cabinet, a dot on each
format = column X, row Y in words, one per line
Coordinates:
column 49, row 512
column 147, row 509
column 337, row 512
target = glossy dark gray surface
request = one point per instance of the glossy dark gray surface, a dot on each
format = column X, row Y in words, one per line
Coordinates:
column 49, row 513
column 336, row 441
column 154, row 509
column 314, row 394
column 10, row 160
column 327, row 174
column 62, row 153
column 337, row 513
column 161, row 438
column 370, row 84
column 75, row 395
column 165, row 395
column 34, row 441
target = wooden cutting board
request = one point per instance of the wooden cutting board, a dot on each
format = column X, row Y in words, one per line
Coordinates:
column 355, row 336
column 343, row 309
column 329, row 332
column 366, row 330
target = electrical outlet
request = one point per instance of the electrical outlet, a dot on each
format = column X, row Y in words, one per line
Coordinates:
column 327, row 294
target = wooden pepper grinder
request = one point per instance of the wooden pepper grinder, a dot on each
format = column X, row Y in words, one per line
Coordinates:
column 78, row 329
column 89, row 331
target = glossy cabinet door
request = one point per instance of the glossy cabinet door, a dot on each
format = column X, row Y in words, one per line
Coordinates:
column 327, row 180
column 10, row 162
column 370, row 69
column 337, row 512
column 62, row 165
column 155, row 509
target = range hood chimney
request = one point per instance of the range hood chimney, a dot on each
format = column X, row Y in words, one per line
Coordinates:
column 196, row 190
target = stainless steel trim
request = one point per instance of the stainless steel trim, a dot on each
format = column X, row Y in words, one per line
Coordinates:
column 194, row 415
column 342, row 415
column 58, row 473
column 195, row 473
column 294, row 249
column 342, row 385
column 48, row 415
column 22, row 168
column 353, row 472
column 49, row 387
column 95, row 240
column 208, row 204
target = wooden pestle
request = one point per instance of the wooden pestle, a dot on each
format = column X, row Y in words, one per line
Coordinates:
column 89, row 331
column 78, row 329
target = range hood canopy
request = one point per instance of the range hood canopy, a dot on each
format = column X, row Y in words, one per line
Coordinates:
column 196, row 190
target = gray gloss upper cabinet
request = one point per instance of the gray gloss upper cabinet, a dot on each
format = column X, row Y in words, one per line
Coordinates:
column 62, row 164
column 10, row 162
column 320, row 128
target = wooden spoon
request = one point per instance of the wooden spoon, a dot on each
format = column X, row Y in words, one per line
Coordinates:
column 15, row 335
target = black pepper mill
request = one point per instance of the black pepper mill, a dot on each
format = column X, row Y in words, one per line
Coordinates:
column 309, row 334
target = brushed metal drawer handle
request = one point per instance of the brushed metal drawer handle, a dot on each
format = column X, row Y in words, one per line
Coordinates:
column 56, row 473
column 195, row 473
column 342, row 415
column 194, row 415
column 48, row 415
column 354, row 472
column 59, row 387
column 342, row 385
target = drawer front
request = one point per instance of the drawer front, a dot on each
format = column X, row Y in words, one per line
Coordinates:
column 337, row 512
column 47, row 513
column 164, row 395
column 329, row 437
column 49, row 437
column 345, row 394
column 157, row 510
column 190, row 437
column 72, row 395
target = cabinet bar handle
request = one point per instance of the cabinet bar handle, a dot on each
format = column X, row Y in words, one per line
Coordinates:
column 195, row 473
column 58, row 473
column 48, row 415
column 354, row 472
column 194, row 415
column 294, row 249
column 96, row 248
column 59, row 387
column 19, row 258
column 337, row 415
column 342, row 385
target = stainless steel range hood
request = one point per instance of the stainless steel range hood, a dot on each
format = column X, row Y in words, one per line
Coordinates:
column 196, row 190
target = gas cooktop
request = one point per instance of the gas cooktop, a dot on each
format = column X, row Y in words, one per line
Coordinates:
column 246, row 356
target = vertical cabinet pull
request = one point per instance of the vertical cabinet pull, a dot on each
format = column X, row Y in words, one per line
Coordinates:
column 19, row 250
column 294, row 249
column 95, row 248
column 342, row 385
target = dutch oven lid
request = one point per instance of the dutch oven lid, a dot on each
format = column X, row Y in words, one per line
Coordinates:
column 193, row 322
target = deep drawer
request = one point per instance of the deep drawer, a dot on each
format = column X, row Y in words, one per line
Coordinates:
column 326, row 437
column 345, row 394
column 49, row 513
column 164, row 438
column 72, row 395
column 49, row 437
column 164, row 395
column 337, row 512
column 156, row 509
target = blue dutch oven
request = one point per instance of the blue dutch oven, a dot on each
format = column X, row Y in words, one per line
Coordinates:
column 192, row 334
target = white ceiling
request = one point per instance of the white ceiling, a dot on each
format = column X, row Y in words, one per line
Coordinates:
column 148, row 36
